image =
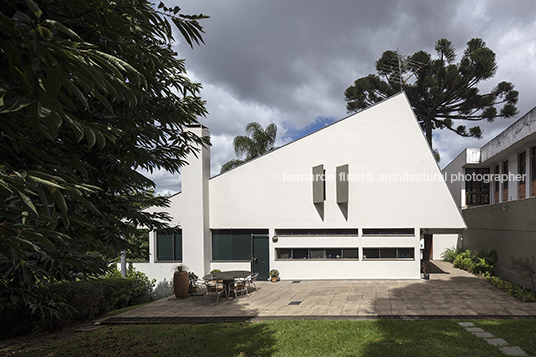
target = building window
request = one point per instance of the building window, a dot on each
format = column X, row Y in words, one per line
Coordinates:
column 317, row 232
column 388, row 253
column 522, row 166
column 317, row 253
column 233, row 244
column 498, row 181
column 505, row 172
column 388, row 232
column 533, row 163
column 477, row 186
column 169, row 245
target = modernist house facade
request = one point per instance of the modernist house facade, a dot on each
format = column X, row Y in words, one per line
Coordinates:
column 353, row 200
column 495, row 186
column 502, row 170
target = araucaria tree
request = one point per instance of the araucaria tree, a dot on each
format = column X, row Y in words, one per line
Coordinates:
column 256, row 142
column 91, row 91
column 442, row 91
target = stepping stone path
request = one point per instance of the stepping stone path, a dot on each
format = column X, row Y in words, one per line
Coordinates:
column 499, row 342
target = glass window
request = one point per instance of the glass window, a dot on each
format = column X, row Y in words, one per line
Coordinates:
column 522, row 166
column 169, row 245
column 371, row 253
column 333, row 253
column 233, row 244
column 284, row 253
column 497, row 181
column 300, row 253
column 389, row 231
column 316, row 253
column 388, row 253
column 350, row 253
column 477, row 187
column 406, row 253
column 505, row 172
column 533, row 163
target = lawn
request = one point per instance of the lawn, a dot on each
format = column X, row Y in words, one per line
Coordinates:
column 290, row 338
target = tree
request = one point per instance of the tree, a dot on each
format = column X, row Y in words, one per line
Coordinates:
column 256, row 142
column 90, row 92
column 442, row 91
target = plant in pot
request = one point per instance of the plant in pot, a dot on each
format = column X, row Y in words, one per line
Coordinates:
column 425, row 273
column 180, row 281
column 192, row 278
column 274, row 275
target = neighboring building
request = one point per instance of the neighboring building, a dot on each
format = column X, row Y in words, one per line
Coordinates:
column 505, row 167
column 495, row 186
column 352, row 200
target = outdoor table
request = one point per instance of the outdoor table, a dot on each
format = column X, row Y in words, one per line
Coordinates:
column 228, row 277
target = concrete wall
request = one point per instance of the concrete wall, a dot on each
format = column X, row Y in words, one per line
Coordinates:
column 508, row 227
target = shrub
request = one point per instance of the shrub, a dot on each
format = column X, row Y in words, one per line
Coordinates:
column 79, row 300
column 450, row 254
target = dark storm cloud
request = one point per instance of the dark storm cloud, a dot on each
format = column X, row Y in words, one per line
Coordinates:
column 289, row 62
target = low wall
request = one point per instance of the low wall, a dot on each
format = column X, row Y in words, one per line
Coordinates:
column 507, row 227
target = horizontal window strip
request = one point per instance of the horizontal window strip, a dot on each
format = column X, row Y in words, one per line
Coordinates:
column 317, row 253
column 317, row 232
column 388, row 253
column 388, row 232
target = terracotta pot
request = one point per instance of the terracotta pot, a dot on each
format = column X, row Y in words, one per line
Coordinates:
column 274, row 279
column 180, row 284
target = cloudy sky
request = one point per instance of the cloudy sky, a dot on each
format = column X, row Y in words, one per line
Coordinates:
column 289, row 62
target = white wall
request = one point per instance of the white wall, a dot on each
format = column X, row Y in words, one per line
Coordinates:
column 441, row 242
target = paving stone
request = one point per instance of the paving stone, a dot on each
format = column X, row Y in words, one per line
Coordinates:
column 513, row 351
column 483, row 334
column 474, row 329
column 497, row 342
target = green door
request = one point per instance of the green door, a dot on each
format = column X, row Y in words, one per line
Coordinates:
column 261, row 256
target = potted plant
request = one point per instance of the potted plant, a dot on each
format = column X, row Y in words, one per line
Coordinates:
column 274, row 275
column 425, row 273
column 180, row 281
column 192, row 278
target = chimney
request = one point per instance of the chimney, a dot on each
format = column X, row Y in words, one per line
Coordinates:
column 195, row 221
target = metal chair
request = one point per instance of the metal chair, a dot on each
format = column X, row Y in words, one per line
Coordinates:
column 250, row 280
column 239, row 286
column 215, row 288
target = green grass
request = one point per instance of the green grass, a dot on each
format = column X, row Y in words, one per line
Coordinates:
column 275, row 338
column 520, row 333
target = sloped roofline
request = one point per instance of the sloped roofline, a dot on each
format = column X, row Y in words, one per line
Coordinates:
column 312, row 133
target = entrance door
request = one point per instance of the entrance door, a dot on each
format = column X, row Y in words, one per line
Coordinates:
column 261, row 256
column 428, row 253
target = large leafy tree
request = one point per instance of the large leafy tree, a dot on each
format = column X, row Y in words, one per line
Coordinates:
column 442, row 91
column 91, row 92
column 256, row 142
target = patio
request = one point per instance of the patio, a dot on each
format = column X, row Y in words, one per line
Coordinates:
column 450, row 293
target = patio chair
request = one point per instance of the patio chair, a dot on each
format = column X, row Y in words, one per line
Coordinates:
column 215, row 288
column 252, row 279
column 239, row 286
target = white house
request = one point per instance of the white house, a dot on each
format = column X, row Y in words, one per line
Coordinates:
column 353, row 200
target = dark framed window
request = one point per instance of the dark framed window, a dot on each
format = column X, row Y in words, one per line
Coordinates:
column 497, row 181
column 388, row 232
column 533, row 163
column 477, row 187
column 505, row 172
column 388, row 253
column 317, row 232
column 169, row 245
column 317, row 253
column 233, row 244
column 522, row 166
